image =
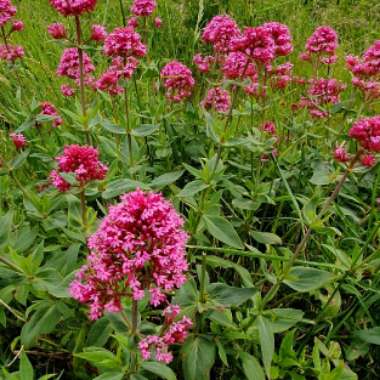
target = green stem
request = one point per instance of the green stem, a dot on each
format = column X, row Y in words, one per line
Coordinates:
column 203, row 279
column 81, row 79
column 83, row 208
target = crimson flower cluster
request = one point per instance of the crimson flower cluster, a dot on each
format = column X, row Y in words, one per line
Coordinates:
column 218, row 99
column 139, row 247
column 73, row 7
column 10, row 52
column 49, row 109
column 143, row 7
column 178, row 81
column 18, row 140
column 83, row 162
column 366, row 71
column 321, row 46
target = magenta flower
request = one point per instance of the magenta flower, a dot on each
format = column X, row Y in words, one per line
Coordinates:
column 59, row 182
column 109, row 80
column 281, row 75
column 98, row 33
column 281, row 36
column 11, row 53
column 133, row 22
column 83, row 161
column 322, row 44
column 7, row 11
column 178, row 81
column 69, row 64
column 269, row 127
column 18, row 140
column 49, row 109
column 341, row 154
column 17, row 26
column 219, row 32
column 257, row 43
column 73, row 7
column 217, row 99
column 203, row 63
column 143, row 7
column 158, row 22
column 67, row 90
column 368, row 160
column 367, row 132
column 237, row 66
column 159, row 345
column 57, row 31
column 124, row 42
column 139, row 246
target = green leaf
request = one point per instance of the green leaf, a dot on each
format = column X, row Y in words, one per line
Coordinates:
column 243, row 272
column 371, row 336
column 26, row 368
column 113, row 128
column 159, row 369
column 100, row 357
column 251, row 367
column 198, row 357
column 266, row 237
column 166, row 179
column 283, row 319
column 221, row 229
column 19, row 160
column 266, row 342
column 43, row 321
column 192, row 188
column 227, row 295
column 145, row 130
column 304, row 279
column 120, row 186
column 113, row 375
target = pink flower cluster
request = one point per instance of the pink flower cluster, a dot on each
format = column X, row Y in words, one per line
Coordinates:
column 203, row 63
column 143, row 7
column 69, row 65
column 238, row 66
column 7, row 11
column 322, row 44
column 219, row 32
column 322, row 92
column 83, row 161
column 57, row 31
column 178, row 81
column 139, row 246
column 49, row 109
column 18, row 140
column 217, row 99
column 281, row 37
column 73, row 7
column 366, row 70
column 124, row 42
column 281, row 75
column 176, row 334
column 67, row 90
column 98, row 33
column 11, row 53
column 367, row 132
column 109, row 80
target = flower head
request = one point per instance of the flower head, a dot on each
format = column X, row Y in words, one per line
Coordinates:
column 49, row 109
column 57, row 31
column 368, row 160
column 219, row 32
column 18, row 140
column 82, row 161
column 98, row 33
column 237, row 66
column 218, row 99
column 158, row 22
column 140, row 245
column 7, row 11
column 69, row 64
column 143, row 7
column 367, row 132
column 59, row 182
column 17, row 26
column 11, row 53
column 203, row 63
column 67, row 90
column 124, row 42
column 341, row 155
column 281, row 36
column 178, row 81
column 73, row 7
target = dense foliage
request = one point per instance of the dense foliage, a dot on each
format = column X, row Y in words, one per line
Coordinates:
column 189, row 189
